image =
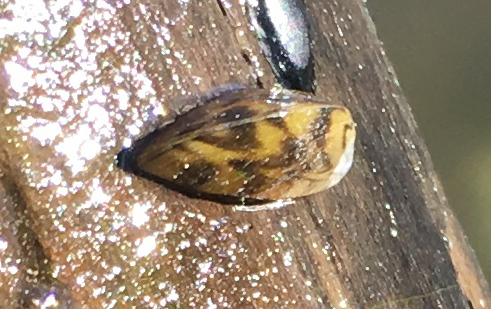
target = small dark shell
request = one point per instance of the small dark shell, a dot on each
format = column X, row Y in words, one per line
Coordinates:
column 283, row 31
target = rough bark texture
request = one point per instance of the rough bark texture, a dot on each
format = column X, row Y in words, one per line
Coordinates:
column 383, row 238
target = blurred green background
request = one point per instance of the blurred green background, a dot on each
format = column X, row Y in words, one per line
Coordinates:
column 441, row 52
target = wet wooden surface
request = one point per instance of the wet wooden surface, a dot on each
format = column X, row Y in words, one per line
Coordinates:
column 99, row 237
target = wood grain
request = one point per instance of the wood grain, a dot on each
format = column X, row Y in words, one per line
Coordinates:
column 383, row 238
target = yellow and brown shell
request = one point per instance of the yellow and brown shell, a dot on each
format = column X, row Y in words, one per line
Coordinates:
column 250, row 145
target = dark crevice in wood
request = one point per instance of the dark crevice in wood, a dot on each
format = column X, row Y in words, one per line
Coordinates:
column 248, row 60
column 222, row 9
column 469, row 303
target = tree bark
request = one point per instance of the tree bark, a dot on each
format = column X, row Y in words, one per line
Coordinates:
column 99, row 237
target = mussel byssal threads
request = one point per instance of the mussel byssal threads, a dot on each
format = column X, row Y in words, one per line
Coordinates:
column 250, row 146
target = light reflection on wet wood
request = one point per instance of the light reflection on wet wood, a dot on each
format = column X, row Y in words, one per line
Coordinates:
column 375, row 240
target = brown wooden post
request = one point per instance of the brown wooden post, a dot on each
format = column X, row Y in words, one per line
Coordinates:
column 383, row 238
